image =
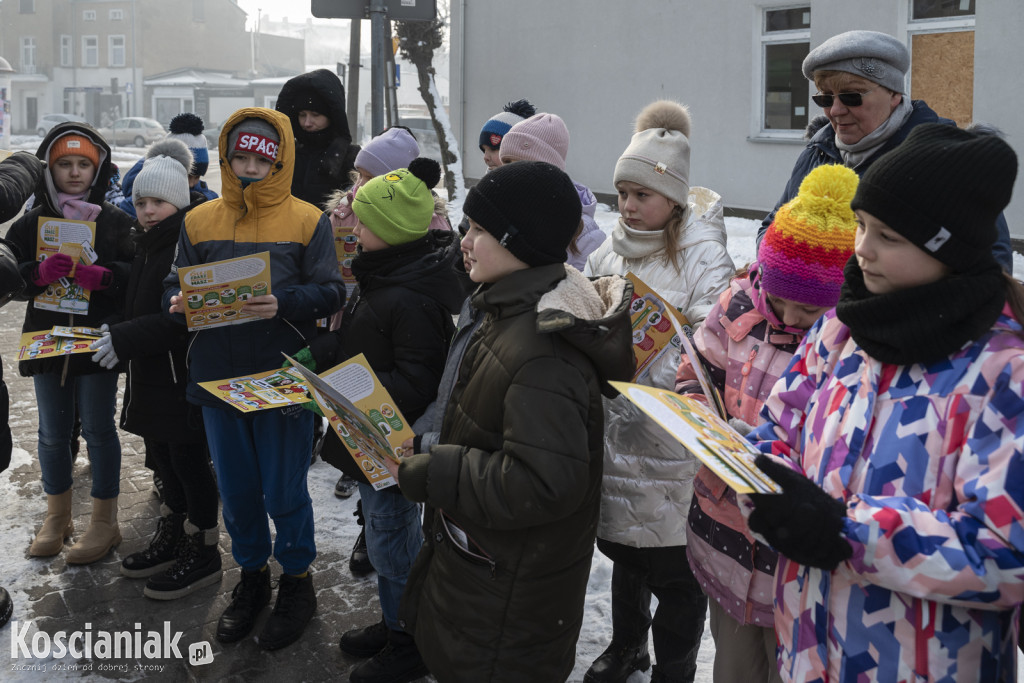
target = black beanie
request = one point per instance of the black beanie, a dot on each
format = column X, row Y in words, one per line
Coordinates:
column 943, row 189
column 531, row 207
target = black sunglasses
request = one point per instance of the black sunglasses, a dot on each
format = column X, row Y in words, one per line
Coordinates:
column 849, row 99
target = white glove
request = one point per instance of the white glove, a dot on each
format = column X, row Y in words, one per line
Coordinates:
column 104, row 348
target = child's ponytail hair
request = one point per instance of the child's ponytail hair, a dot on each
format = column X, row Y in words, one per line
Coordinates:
column 672, row 230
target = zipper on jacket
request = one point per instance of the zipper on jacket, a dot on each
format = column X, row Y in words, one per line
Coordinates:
column 174, row 375
column 484, row 558
column 67, row 358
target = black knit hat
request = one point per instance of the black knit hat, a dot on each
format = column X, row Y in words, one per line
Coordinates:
column 943, row 189
column 531, row 207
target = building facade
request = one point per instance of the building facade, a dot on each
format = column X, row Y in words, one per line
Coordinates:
column 735, row 63
column 93, row 57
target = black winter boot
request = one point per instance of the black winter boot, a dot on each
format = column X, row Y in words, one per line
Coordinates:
column 250, row 595
column 366, row 641
column 160, row 554
column 197, row 564
column 6, row 606
column 616, row 663
column 296, row 603
column 398, row 662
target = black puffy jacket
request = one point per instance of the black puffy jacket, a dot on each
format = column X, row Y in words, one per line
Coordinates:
column 323, row 159
column 151, row 345
column 400, row 318
column 113, row 247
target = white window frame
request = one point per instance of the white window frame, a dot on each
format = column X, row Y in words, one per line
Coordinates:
column 112, row 50
column 67, row 50
column 88, row 15
column 27, row 54
column 762, row 39
column 116, row 15
column 95, row 61
column 924, row 26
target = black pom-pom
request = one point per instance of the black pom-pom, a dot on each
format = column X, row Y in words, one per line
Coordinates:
column 187, row 122
column 521, row 108
column 427, row 170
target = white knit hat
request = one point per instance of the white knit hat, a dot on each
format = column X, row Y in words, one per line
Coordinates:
column 164, row 174
column 658, row 156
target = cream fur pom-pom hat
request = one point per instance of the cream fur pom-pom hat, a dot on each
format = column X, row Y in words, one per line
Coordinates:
column 658, row 156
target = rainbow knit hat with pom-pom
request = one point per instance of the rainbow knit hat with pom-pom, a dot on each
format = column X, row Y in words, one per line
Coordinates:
column 803, row 253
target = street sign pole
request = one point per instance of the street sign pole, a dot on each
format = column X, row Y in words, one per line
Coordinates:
column 377, row 64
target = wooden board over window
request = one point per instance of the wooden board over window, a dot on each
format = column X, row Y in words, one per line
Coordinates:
column 942, row 73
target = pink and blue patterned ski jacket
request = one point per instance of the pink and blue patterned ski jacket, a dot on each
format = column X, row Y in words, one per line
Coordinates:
column 929, row 460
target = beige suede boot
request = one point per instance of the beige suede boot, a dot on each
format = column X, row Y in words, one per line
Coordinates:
column 56, row 527
column 102, row 534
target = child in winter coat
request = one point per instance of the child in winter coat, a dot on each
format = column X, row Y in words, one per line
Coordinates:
column 188, row 128
column 673, row 238
column 75, row 184
column 745, row 344
column 498, row 126
column 151, row 347
column 261, row 459
column 896, row 435
column 544, row 137
column 513, row 487
column 393, row 149
column 400, row 317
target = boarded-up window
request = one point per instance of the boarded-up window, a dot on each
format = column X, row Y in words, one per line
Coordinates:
column 942, row 73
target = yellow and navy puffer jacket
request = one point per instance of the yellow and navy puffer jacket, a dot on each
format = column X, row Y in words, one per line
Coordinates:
column 262, row 216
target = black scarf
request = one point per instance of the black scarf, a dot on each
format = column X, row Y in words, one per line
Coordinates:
column 921, row 324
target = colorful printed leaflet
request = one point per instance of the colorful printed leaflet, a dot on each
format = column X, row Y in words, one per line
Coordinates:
column 262, row 391
column 214, row 293
column 705, row 434
column 656, row 325
column 59, row 341
column 74, row 238
column 362, row 414
column 345, row 243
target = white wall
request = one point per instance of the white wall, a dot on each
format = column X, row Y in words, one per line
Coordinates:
column 596, row 63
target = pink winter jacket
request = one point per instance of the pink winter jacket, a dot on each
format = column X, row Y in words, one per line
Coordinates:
column 744, row 356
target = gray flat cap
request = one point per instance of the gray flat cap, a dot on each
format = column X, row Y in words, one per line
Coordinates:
column 877, row 57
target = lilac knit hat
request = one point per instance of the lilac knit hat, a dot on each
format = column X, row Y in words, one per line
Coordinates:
column 806, row 247
column 542, row 137
column 392, row 149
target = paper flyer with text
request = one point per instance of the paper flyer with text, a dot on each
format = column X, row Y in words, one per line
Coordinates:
column 55, row 342
column 653, row 331
column 362, row 414
column 707, row 436
column 214, row 293
column 345, row 243
column 63, row 235
column 261, row 391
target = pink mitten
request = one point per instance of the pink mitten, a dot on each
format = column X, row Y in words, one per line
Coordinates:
column 93, row 277
column 52, row 269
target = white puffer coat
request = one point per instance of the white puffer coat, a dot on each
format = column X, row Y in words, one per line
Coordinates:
column 648, row 476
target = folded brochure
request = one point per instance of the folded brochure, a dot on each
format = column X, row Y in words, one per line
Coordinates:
column 261, row 391
column 362, row 414
column 705, row 434
column 58, row 341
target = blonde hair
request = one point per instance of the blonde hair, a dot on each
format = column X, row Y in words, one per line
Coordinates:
column 672, row 230
column 843, row 81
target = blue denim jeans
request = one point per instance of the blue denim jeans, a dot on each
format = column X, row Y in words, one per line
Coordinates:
column 394, row 534
column 97, row 397
column 262, row 460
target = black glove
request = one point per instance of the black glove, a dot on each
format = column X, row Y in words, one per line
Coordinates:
column 803, row 522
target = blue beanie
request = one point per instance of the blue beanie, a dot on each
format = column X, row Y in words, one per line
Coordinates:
column 188, row 128
column 496, row 127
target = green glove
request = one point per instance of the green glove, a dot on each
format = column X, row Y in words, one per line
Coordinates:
column 313, row 406
column 304, row 358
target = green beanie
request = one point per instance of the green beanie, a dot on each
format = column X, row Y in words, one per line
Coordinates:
column 399, row 205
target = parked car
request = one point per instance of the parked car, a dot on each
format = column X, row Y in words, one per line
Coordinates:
column 48, row 121
column 423, row 129
column 212, row 133
column 136, row 131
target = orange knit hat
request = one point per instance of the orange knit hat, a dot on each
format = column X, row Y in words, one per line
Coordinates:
column 75, row 145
